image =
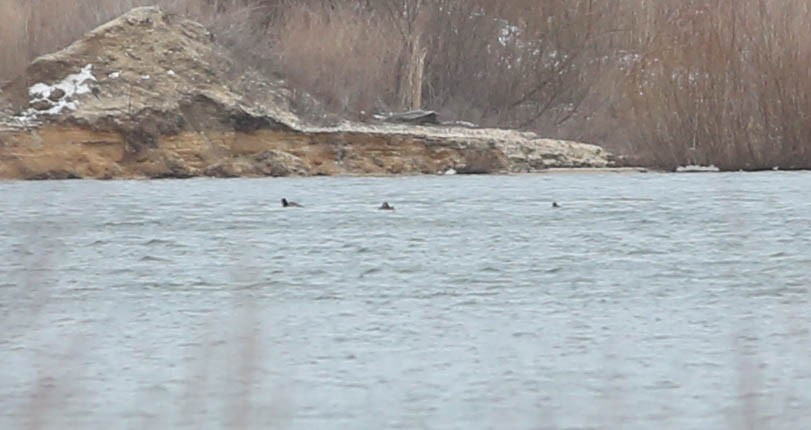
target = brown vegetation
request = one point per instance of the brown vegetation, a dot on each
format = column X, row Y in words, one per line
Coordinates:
column 725, row 83
column 666, row 83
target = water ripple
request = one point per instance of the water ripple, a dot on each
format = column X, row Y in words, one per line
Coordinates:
column 645, row 301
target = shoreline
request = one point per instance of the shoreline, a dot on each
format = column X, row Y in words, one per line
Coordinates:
column 551, row 171
column 555, row 171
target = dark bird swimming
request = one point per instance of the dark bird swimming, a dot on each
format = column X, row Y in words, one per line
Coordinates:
column 555, row 205
column 386, row 207
column 286, row 204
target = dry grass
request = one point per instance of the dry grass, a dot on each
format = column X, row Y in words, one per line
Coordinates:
column 35, row 27
column 347, row 58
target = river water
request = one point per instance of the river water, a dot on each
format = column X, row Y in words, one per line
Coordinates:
column 645, row 301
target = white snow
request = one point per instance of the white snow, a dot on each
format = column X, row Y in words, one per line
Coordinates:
column 691, row 168
column 508, row 34
column 73, row 85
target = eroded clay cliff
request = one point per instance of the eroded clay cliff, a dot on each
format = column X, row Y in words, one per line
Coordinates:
column 152, row 95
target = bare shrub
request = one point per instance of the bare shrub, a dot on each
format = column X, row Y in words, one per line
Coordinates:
column 512, row 63
column 724, row 83
column 517, row 63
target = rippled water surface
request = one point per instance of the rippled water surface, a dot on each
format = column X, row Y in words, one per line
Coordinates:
column 645, row 301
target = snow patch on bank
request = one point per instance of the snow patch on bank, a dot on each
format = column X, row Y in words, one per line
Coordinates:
column 697, row 169
column 53, row 99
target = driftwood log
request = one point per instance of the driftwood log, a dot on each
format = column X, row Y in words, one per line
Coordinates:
column 414, row 117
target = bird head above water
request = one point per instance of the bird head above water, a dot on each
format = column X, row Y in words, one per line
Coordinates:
column 288, row 204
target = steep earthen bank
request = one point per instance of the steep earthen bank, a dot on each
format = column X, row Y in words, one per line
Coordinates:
column 152, row 95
